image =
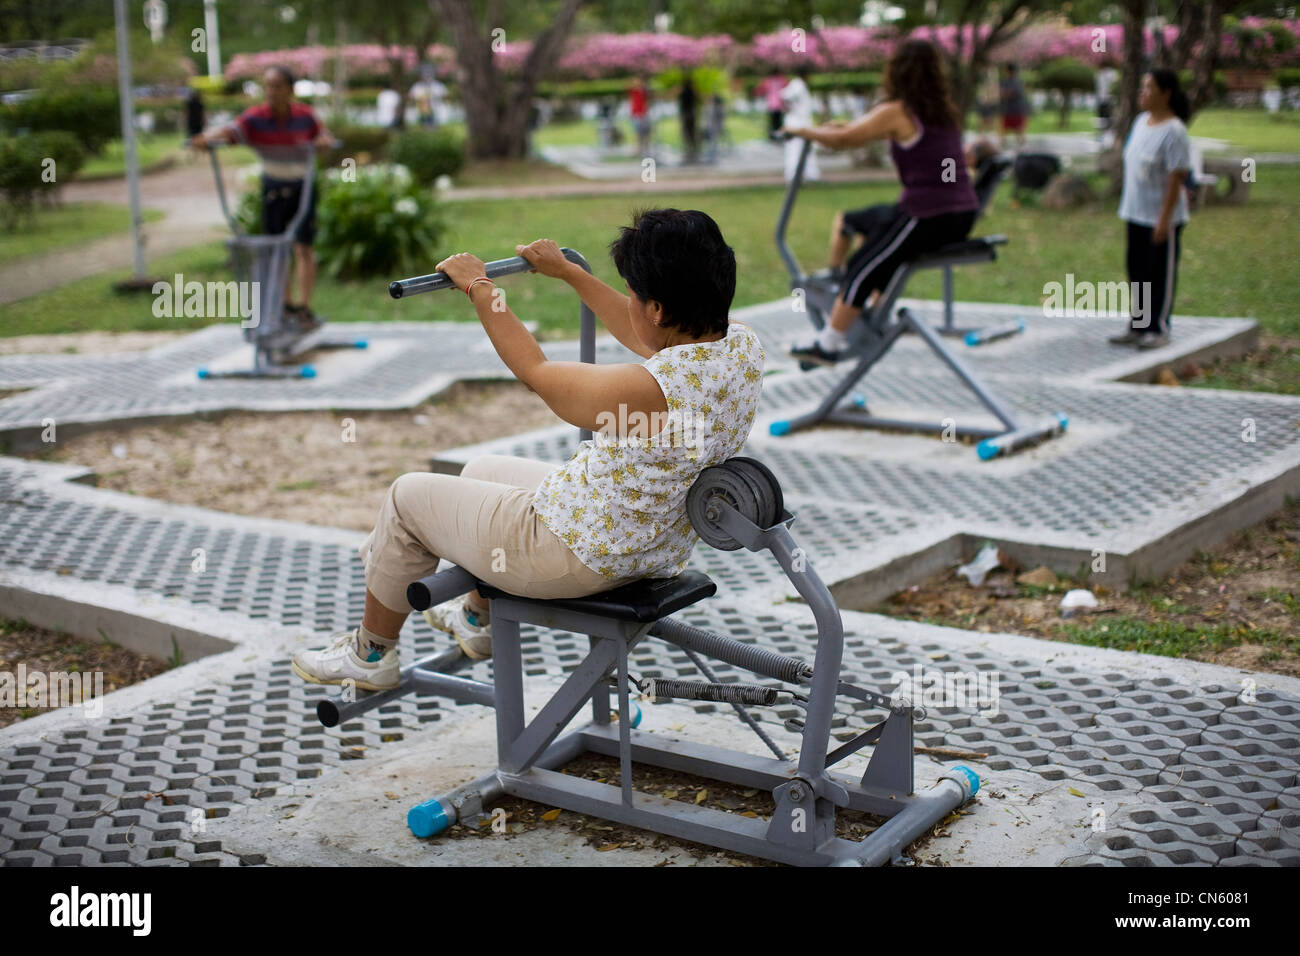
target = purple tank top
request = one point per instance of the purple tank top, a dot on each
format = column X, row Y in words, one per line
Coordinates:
column 933, row 173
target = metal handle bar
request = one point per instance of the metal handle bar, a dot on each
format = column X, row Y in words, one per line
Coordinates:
column 436, row 281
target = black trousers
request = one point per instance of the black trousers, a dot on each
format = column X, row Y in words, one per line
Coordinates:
column 1154, row 269
column 891, row 237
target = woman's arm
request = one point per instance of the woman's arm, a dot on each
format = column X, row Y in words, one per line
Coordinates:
column 581, row 393
column 608, row 303
column 886, row 121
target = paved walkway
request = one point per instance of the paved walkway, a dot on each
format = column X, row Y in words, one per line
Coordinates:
column 186, row 196
column 1092, row 756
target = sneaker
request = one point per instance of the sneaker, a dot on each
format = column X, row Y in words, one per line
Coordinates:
column 454, row 617
column 338, row 662
column 814, row 354
column 1130, row 337
column 1153, row 340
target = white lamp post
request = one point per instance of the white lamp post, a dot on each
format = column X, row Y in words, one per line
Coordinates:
column 214, row 41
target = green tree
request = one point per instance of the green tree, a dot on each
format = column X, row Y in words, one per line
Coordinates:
column 498, row 108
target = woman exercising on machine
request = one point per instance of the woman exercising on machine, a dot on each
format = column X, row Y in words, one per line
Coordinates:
column 937, row 206
column 616, row 511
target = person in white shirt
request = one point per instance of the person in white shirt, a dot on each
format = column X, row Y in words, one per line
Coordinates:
column 799, row 114
column 386, row 105
column 1153, row 203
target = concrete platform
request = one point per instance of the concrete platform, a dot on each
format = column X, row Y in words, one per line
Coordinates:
column 1094, row 757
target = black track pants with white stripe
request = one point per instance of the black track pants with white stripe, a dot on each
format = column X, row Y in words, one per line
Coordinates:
column 1154, row 269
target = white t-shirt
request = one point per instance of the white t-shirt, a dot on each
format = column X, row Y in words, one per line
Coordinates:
column 386, row 104
column 798, row 103
column 1151, row 154
column 620, row 502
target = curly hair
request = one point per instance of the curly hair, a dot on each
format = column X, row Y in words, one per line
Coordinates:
column 915, row 75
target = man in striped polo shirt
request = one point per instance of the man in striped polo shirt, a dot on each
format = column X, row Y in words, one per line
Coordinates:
column 278, row 130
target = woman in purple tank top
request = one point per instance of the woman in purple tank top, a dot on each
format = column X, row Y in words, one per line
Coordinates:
column 937, row 206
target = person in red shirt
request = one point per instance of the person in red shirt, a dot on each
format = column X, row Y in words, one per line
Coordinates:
column 278, row 130
column 639, row 106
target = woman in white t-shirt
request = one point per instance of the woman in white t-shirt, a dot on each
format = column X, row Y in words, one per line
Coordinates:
column 1157, row 158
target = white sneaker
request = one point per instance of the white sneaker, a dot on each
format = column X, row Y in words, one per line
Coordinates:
column 474, row 639
column 338, row 662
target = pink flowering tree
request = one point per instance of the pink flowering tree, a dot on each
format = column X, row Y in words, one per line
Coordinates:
column 968, row 32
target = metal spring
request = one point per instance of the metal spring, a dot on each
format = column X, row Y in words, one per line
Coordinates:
column 721, row 693
column 751, row 658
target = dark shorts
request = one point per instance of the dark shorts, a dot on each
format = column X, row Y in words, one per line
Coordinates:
column 1013, row 123
column 866, row 222
column 280, row 202
column 897, row 238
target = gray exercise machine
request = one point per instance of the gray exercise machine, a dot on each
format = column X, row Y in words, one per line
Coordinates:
column 262, row 262
column 737, row 504
column 878, row 328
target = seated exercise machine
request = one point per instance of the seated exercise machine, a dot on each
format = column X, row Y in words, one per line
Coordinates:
column 879, row 328
column 261, row 263
column 733, row 505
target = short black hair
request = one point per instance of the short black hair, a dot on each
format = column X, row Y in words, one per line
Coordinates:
column 680, row 260
column 286, row 74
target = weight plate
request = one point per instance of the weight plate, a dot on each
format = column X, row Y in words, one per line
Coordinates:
column 769, row 488
column 734, row 487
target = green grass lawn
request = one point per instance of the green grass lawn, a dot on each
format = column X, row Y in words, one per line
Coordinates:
column 667, row 131
column 1250, row 129
column 1237, row 260
column 1246, row 129
column 65, row 225
column 149, row 151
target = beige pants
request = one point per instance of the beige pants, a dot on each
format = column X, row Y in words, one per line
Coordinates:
column 481, row 520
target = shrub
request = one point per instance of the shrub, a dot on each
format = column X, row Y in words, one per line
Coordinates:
column 428, row 153
column 90, row 113
column 1288, row 77
column 1065, row 76
column 357, row 142
column 379, row 224
column 20, row 178
column 66, row 151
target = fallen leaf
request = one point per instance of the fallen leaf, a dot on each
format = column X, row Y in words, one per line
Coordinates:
column 702, row 796
column 550, row 815
column 1075, row 793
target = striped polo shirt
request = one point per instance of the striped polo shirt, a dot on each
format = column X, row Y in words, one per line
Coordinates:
column 279, row 141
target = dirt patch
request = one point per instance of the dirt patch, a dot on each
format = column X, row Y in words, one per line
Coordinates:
column 606, row 836
column 326, row 468
column 1238, row 605
column 86, row 343
column 1273, row 367
column 53, row 652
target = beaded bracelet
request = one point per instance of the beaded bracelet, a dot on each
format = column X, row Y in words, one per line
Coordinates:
column 470, row 288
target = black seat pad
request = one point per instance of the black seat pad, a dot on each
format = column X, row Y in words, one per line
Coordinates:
column 982, row 248
column 645, row 601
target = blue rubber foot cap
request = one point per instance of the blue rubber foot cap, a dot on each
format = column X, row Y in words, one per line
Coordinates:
column 970, row 775
column 972, row 338
column 427, row 819
column 636, row 714
column 987, row 449
column 1064, row 420
column 859, row 400
column 204, row 373
column 360, row 344
column 1023, row 325
column 779, row 428
column 306, row 372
